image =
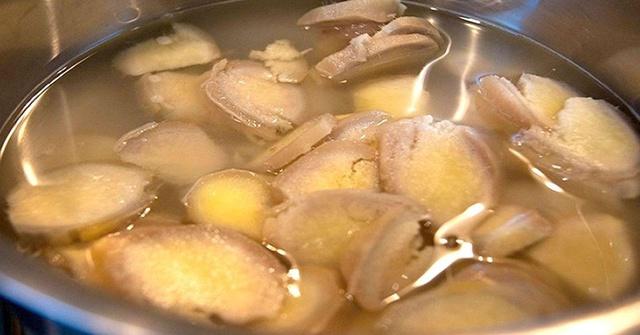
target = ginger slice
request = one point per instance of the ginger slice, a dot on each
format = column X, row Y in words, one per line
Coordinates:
column 399, row 95
column 285, row 61
column 591, row 144
column 592, row 252
column 318, row 228
column 352, row 11
column 332, row 165
column 476, row 299
column 250, row 94
column 295, row 144
column 194, row 270
column 386, row 257
column 176, row 151
column 411, row 25
column 360, row 127
column 79, row 202
column 445, row 167
column 509, row 230
column 365, row 54
column 188, row 45
column 535, row 101
column 233, row 199
column 318, row 298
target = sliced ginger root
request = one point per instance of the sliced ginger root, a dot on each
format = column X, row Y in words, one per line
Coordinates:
column 194, row 270
column 509, row 230
column 591, row 144
column 318, row 297
column 535, row 101
column 79, row 202
column 285, row 61
column 360, row 127
column 592, row 252
column 445, row 167
column 318, row 228
column 187, row 46
column 332, row 165
column 233, row 199
column 399, row 96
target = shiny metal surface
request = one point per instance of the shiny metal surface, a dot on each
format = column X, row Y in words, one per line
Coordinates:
column 37, row 37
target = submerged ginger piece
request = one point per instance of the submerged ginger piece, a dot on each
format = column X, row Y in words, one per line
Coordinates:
column 332, row 165
column 188, row 45
column 535, row 101
column 194, row 270
column 319, row 297
column 509, row 230
column 411, row 25
column 445, row 167
column 79, row 202
column 351, row 11
column 399, row 96
column 177, row 152
column 474, row 300
column 295, row 144
column 233, row 199
column 591, row 144
column 593, row 253
column 249, row 93
column 360, row 127
column 285, row 61
column 319, row 227
column 178, row 95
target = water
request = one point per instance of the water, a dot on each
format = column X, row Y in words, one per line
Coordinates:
column 79, row 116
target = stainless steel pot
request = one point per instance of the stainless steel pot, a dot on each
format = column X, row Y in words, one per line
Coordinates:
column 38, row 38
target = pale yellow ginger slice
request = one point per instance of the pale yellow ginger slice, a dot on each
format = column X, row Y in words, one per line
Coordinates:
column 535, row 101
column 75, row 259
column 249, row 93
column 545, row 97
column 79, row 202
column 353, row 11
column 387, row 257
column 360, row 127
column 411, row 25
column 194, row 270
column 187, row 46
column 366, row 54
column 591, row 143
column 474, row 300
column 399, row 96
column 285, row 61
column 509, row 230
column 332, row 165
column 319, row 227
column 592, row 252
column 317, row 297
column 445, row 167
column 295, row 144
column 178, row 95
column 178, row 152
column 233, row 199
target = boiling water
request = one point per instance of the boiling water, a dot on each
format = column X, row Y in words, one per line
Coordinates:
column 79, row 116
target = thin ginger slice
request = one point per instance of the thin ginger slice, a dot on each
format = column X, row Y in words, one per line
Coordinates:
column 592, row 252
column 509, row 230
column 319, row 227
column 360, row 127
column 399, row 96
column 285, row 61
column 233, row 199
column 332, row 165
column 194, row 270
column 318, row 296
column 445, row 167
column 591, row 143
column 188, row 45
column 178, row 152
column 352, row 11
column 79, row 202
column 295, row 144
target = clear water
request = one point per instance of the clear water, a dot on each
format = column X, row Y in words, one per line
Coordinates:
column 93, row 99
